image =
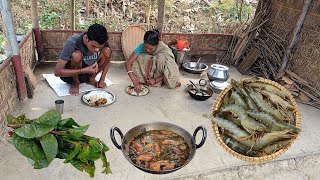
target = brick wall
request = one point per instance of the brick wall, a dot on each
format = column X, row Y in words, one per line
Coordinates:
column 8, row 93
column 210, row 45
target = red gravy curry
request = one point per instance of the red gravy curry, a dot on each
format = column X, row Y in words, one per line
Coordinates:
column 159, row 150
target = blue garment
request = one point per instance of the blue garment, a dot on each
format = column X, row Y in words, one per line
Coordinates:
column 140, row 49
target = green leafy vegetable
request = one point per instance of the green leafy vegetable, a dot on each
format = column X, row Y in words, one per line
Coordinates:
column 33, row 130
column 49, row 145
column 30, row 149
column 48, row 137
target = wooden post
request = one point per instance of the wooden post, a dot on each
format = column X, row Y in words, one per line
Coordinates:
column 34, row 14
column 36, row 29
column 161, row 7
column 16, row 60
column 295, row 36
column 87, row 8
column 73, row 18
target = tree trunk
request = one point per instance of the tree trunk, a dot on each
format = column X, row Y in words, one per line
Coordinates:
column 87, row 8
column 148, row 14
column 73, row 9
column 161, row 6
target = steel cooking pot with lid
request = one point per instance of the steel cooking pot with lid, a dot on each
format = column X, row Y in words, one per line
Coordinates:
column 218, row 72
column 142, row 128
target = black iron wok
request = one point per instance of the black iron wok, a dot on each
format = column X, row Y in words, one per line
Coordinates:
column 137, row 130
column 204, row 93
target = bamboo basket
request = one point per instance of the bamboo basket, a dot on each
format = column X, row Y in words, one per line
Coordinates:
column 261, row 159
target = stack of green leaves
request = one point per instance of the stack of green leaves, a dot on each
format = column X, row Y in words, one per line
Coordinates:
column 48, row 137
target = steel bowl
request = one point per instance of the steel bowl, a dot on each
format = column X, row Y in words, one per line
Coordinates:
column 193, row 68
column 142, row 128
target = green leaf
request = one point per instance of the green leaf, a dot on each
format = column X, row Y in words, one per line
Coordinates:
column 69, row 122
column 90, row 168
column 33, row 130
column 84, row 153
column 73, row 153
column 18, row 120
column 77, row 164
column 95, row 146
column 10, row 119
column 50, row 146
column 105, row 164
column 30, row 149
column 78, row 132
column 50, row 118
column 105, row 147
column 62, row 154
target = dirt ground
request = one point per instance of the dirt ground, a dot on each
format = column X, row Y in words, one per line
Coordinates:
column 166, row 105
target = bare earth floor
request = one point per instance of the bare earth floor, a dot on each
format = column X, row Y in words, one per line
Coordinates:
column 301, row 161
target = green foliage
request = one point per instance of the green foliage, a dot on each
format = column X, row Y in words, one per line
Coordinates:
column 232, row 11
column 48, row 137
column 2, row 38
column 88, row 23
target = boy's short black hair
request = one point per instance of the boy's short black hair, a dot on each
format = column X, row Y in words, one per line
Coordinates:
column 152, row 37
column 97, row 32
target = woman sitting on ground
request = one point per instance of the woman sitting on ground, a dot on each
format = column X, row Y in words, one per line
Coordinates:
column 152, row 63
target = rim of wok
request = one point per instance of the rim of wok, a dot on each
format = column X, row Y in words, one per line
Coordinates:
column 172, row 127
column 260, row 159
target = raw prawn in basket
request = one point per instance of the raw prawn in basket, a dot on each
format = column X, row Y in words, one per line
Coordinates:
column 255, row 118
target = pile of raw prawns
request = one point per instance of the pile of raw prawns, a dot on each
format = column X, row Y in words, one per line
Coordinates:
column 256, row 118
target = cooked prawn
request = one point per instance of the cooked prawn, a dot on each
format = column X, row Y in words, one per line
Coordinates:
column 162, row 165
column 145, row 157
column 137, row 146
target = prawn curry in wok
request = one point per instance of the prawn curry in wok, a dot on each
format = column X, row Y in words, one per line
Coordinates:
column 159, row 150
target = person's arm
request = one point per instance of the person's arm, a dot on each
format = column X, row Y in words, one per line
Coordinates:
column 106, row 67
column 131, row 74
column 61, row 70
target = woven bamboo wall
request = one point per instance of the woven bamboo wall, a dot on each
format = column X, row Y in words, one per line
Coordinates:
column 305, row 59
column 210, row 45
column 28, row 52
column 8, row 83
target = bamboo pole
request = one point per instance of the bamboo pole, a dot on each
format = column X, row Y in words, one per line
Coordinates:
column 73, row 18
column 161, row 7
column 8, row 25
column 295, row 36
column 16, row 59
column 36, row 29
column 87, row 8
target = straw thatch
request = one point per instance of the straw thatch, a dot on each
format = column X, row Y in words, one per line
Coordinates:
column 280, row 32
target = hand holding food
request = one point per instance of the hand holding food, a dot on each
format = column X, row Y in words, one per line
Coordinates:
column 92, row 69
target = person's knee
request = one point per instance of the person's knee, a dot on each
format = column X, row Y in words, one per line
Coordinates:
column 76, row 57
column 106, row 52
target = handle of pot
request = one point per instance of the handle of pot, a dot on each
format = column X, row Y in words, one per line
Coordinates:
column 202, row 84
column 113, row 138
column 204, row 136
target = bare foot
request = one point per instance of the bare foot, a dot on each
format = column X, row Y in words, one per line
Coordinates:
column 92, row 81
column 74, row 89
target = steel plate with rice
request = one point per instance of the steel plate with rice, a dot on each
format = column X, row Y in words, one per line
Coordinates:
column 144, row 91
column 98, row 98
